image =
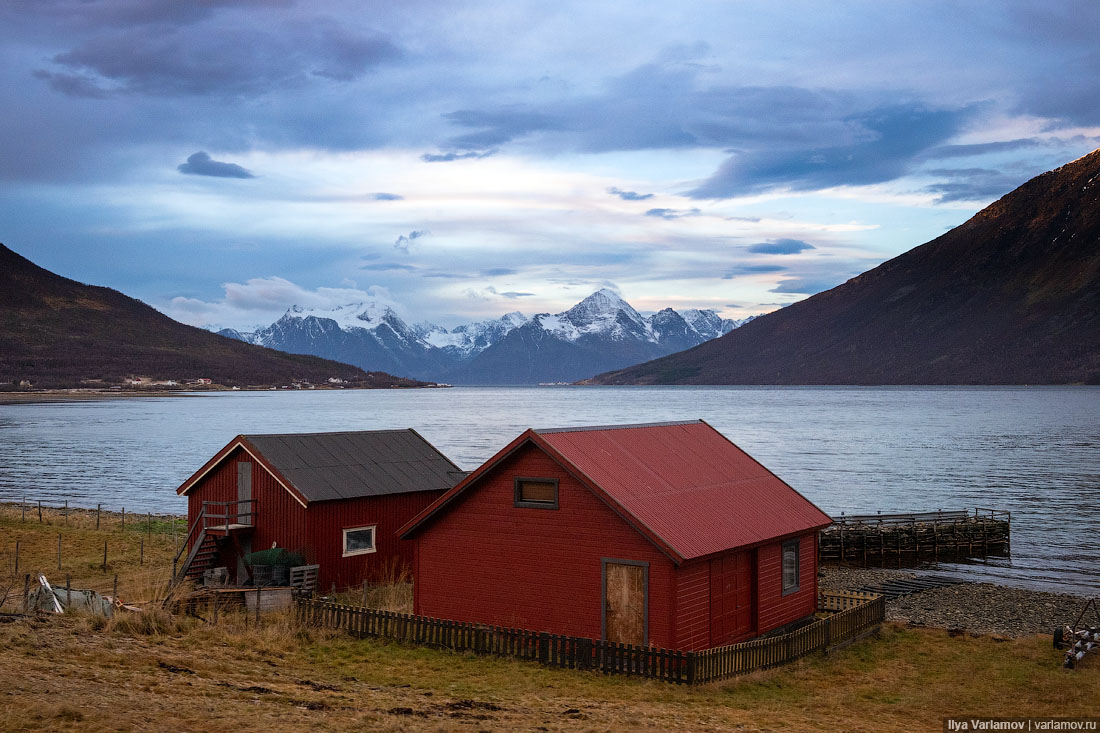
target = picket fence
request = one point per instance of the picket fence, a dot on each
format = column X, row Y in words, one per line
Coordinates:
column 859, row 617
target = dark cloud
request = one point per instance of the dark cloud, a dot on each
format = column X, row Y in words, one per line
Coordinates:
column 448, row 157
column 807, row 285
column 498, row 271
column 962, row 151
column 751, row 270
column 215, row 60
column 780, row 247
column 389, row 266
column 405, row 240
column 513, row 294
column 888, row 140
column 971, row 184
column 201, row 164
column 387, row 197
column 672, row 213
column 629, row 195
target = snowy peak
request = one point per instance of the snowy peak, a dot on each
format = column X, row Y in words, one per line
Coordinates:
column 351, row 315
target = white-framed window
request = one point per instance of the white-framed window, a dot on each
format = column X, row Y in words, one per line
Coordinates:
column 790, row 566
column 359, row 540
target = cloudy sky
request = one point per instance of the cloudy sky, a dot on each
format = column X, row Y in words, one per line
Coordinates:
column 225, row 159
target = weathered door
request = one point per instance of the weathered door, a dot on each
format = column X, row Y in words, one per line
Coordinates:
column 731, row 597
column 244, row 494
column 625, row 603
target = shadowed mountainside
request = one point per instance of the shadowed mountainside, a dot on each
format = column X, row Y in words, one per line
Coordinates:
column 1010, row 297
column 55, row 332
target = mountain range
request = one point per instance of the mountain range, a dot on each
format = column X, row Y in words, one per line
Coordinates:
column 57, row 332
column 599, row 333
column 1012, row 296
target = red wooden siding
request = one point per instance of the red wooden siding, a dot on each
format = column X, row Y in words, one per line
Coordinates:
column 326, row 523
column 487, row 561
column 776, row 609
column 316, row 531
column 693, row 605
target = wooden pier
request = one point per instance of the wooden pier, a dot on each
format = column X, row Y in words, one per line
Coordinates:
column 907, row 540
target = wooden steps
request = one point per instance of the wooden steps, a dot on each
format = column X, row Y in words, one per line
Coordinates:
column 202, row 560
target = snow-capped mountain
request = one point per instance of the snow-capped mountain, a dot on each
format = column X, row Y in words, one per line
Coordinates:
column 600, row 333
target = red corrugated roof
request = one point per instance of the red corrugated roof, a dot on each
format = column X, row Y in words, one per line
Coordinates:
column 684, row 485
column 687, row 484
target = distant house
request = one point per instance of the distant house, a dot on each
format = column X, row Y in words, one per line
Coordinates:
column 203, row 380
column 335, row 498
column 665, row 534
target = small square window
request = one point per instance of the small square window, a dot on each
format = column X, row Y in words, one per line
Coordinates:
column 790, row 567
column 537, row 493
column 358, row 541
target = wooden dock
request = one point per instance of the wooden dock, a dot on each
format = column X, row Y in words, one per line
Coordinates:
column 907, row 540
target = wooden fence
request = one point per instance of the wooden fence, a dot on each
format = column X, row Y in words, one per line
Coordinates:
column 610, row 658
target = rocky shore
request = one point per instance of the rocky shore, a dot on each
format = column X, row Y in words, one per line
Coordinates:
column 978, row 608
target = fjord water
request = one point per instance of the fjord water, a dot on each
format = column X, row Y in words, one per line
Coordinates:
column 1033, row 451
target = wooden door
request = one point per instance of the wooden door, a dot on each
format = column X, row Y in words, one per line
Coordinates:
column 625, row 603
column 244, row 494
column 731, row 597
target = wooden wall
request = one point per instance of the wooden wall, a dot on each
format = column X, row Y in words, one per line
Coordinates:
column 490, row 562
column 316, row 531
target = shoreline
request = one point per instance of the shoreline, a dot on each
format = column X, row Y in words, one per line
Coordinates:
column 976, row 608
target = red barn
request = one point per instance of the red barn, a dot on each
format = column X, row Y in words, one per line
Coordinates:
column 666, row 535
column 336, row 498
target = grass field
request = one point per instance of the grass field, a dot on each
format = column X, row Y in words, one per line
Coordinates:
column 156, row 672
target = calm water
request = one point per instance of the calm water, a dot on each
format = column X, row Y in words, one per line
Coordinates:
column 1034, row 451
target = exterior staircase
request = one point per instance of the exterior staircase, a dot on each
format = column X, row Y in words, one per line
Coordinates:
column 202, row 560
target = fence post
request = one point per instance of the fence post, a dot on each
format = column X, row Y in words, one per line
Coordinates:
column 691, row 668
column 40, row 511
column 544, row 648
column 258, row 588
column 123, row 519
column 27, row 592
column 97, row 508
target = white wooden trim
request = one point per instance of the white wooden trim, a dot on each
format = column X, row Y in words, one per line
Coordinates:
column 373, row 540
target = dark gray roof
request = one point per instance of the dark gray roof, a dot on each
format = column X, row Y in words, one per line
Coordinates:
column 331, row 466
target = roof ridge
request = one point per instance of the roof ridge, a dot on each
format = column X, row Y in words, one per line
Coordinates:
column 585, row 428
column 326, row 432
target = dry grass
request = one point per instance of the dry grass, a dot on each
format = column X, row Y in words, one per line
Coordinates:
column 156, row 671
column 66, row 672
column 139, row 554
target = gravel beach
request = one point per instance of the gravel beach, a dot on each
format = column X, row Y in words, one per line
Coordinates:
column 977, row 608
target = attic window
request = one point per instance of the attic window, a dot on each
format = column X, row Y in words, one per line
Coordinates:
column 359, row 541
column 537, row 493
column 790, row 567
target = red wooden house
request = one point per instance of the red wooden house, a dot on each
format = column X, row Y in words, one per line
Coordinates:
column 335, row 498
column 665, row 534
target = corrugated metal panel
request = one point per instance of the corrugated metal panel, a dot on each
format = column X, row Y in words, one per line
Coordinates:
column 687, row 484
column 335, row 466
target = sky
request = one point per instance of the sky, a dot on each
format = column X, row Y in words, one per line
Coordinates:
column 223, row 160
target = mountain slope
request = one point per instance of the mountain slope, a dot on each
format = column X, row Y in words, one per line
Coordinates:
column 54, row 332
column 1010, row 297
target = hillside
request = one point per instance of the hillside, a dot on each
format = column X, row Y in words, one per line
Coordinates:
column 1010, row 297
column 55, row 332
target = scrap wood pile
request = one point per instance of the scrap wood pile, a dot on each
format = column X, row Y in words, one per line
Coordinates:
column 52, row 599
